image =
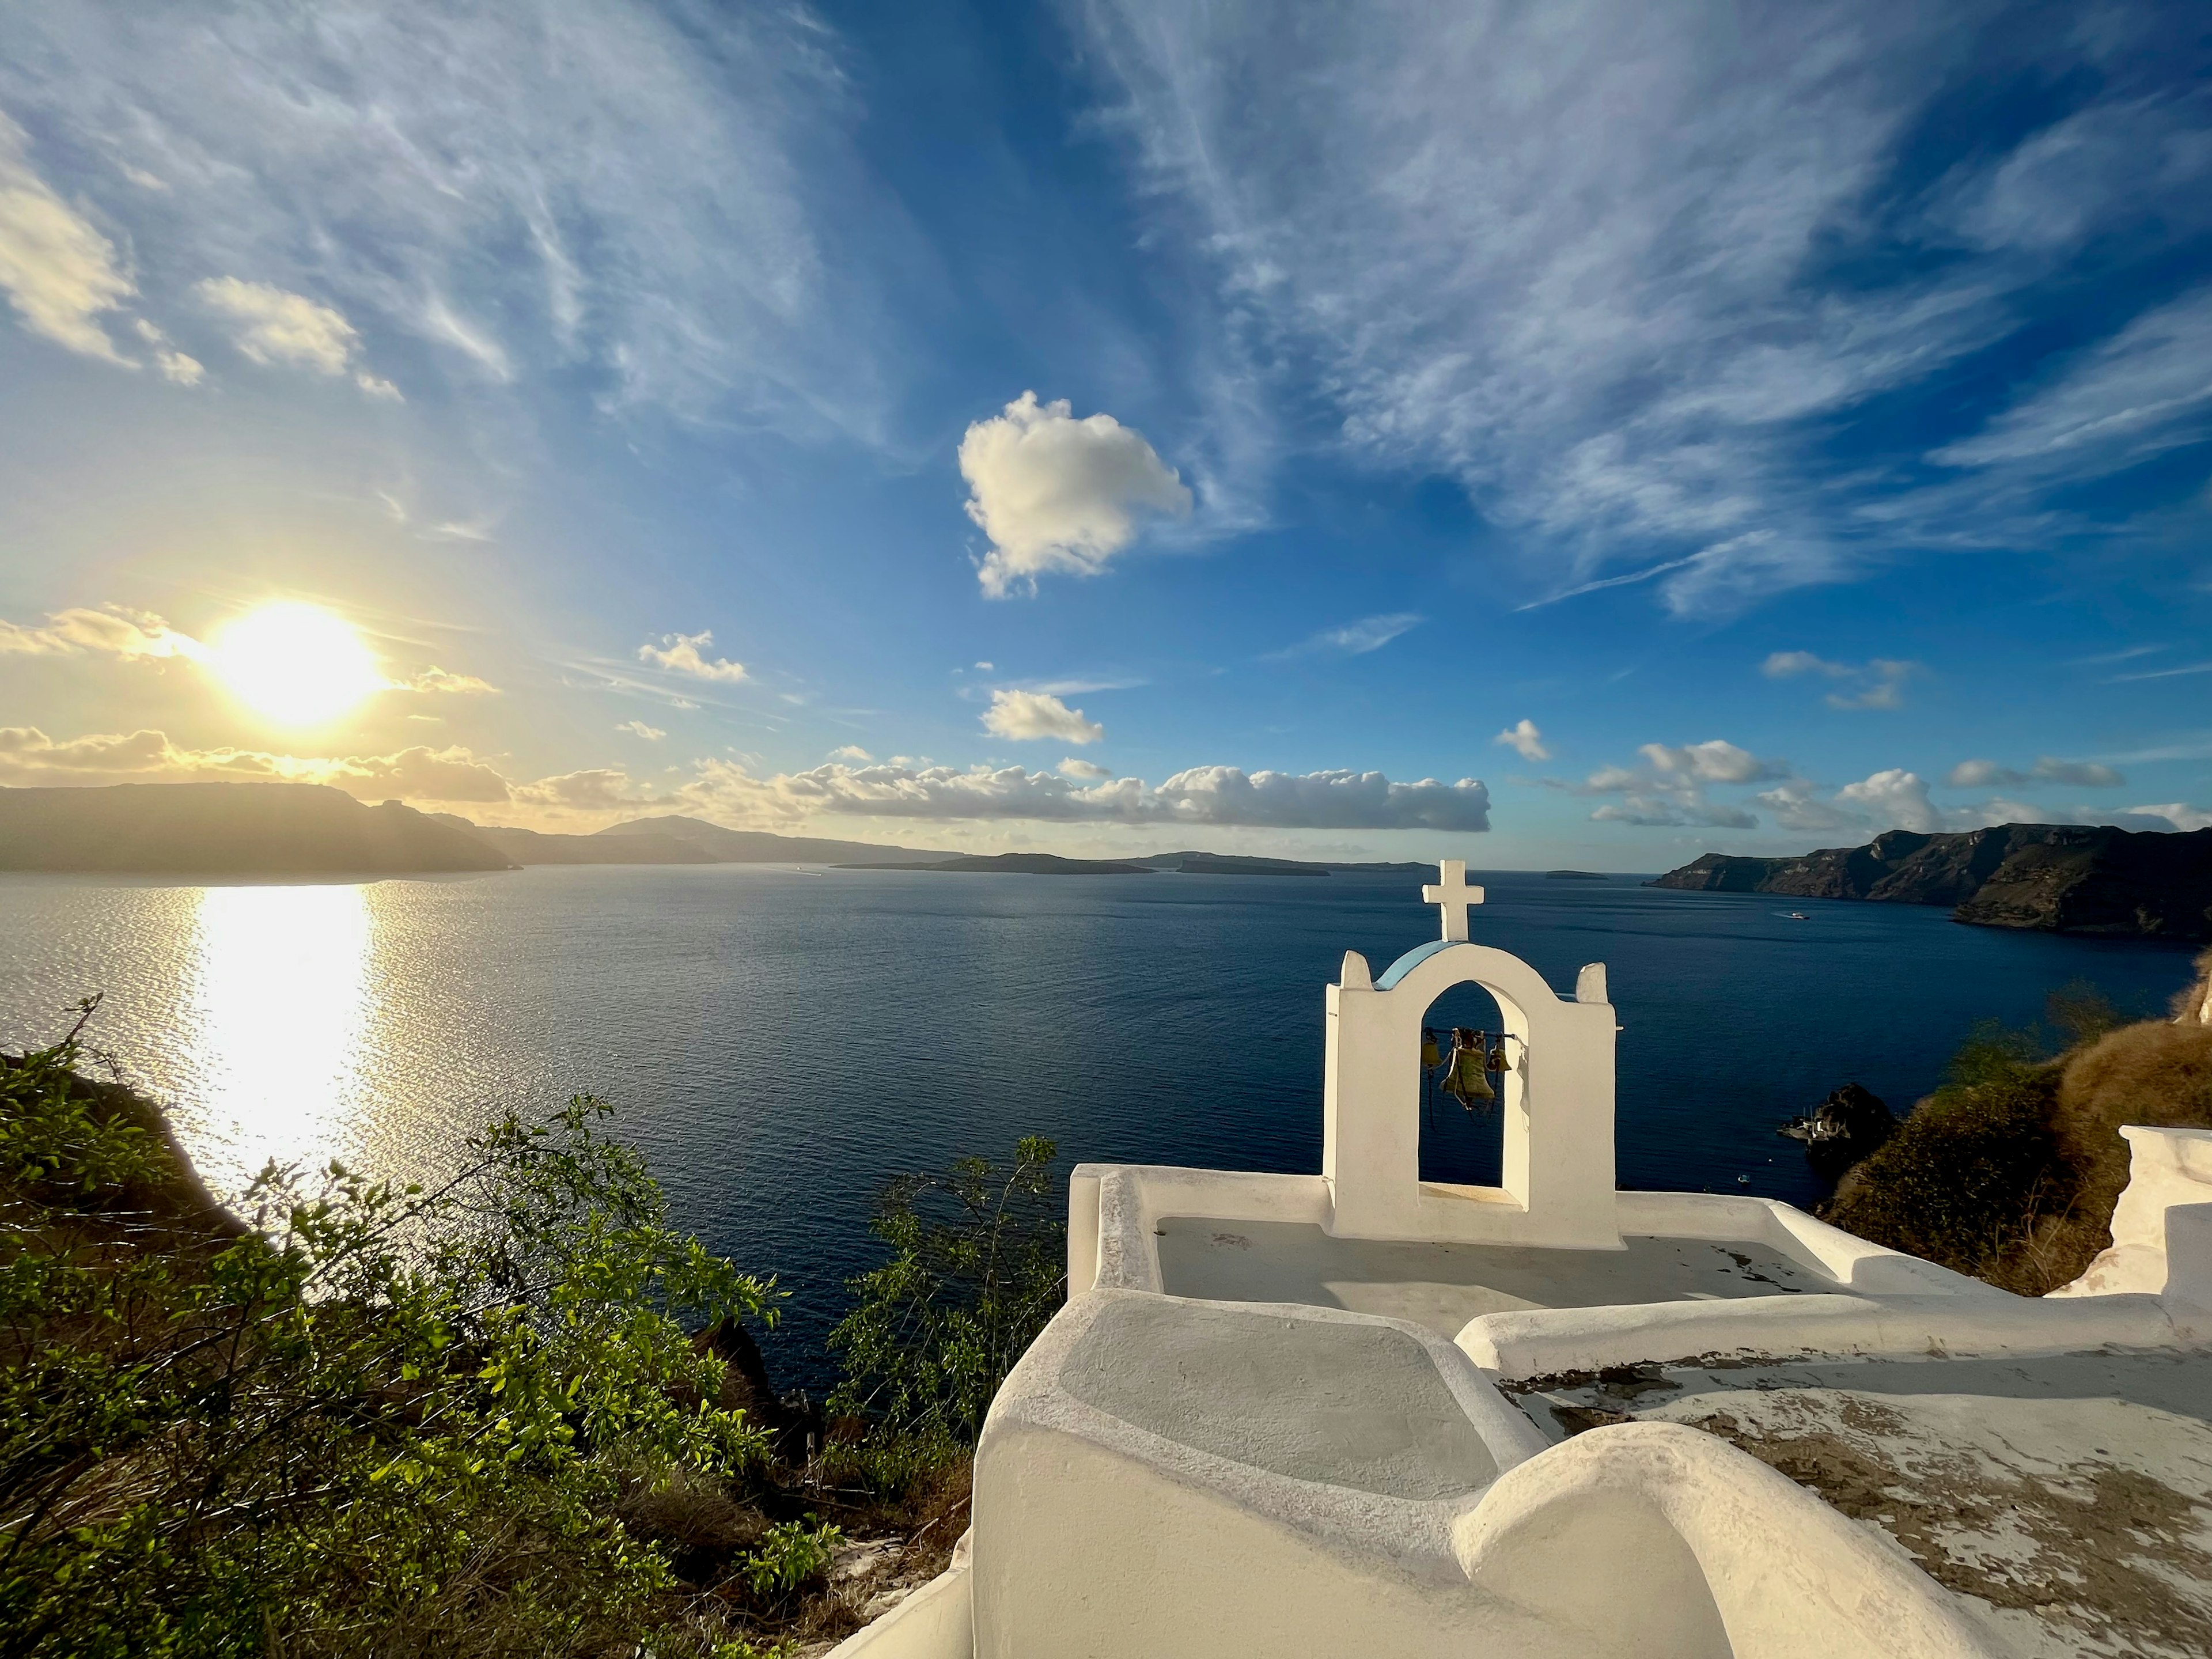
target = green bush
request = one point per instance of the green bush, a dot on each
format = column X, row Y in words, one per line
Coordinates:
column 385, row 1420
column 790, row 1555
column 978, row 1263
column 1974, row 1171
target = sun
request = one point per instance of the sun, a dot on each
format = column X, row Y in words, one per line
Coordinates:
column 294, row 664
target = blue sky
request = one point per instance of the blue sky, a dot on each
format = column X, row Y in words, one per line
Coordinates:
column 1585, row 434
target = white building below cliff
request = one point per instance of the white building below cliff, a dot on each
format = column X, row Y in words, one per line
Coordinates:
column 1356, row 1412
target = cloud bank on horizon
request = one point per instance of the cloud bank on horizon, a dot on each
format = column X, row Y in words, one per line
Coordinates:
column 1551, row 380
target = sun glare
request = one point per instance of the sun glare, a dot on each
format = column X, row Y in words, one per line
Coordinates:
column 297, row 664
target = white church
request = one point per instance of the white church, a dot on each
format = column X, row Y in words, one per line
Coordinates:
column 1358, row 1413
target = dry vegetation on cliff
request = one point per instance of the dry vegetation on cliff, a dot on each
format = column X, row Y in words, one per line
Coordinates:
column 2009, row 1171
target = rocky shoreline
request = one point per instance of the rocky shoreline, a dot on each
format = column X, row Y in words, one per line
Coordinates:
column 2064, row 879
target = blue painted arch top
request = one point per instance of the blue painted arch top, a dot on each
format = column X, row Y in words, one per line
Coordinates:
column 1413, row 959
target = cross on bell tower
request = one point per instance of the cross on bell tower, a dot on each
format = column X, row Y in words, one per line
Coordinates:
column 1452, row 895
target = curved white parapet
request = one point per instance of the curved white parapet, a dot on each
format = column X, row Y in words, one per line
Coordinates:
column 1547, row 1341
column 1114, row 1209
column 938, row 1621
column 2161, row 1227
column 1175, row 1478
column 1854, row 1263
column 1657, row 1538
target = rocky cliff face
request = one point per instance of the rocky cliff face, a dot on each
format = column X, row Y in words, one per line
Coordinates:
column 2063, row 877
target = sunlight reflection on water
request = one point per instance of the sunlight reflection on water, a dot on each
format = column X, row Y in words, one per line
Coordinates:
column 278, row 1006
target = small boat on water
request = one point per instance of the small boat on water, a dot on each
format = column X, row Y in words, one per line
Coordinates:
column 1795, row 916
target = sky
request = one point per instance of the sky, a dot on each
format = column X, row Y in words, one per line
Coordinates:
column 1580, row 433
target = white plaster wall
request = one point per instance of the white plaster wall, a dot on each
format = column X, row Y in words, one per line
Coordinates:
column 2161, row 1226
column 1096, row 1537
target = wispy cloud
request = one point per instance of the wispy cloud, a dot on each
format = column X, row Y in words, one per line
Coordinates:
column 2161, row 674
column 2106, row 659
column 60, row 273
column 1623, row 270
column 633, row 190
column 1353, row 639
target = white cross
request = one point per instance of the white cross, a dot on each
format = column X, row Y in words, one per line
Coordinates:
column 1453, row 897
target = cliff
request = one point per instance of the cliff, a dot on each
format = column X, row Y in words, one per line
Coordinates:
column 2068, row 878
column 227, row 829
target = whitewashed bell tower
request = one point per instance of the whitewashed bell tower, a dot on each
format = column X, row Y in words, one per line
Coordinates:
column 1557, row 1099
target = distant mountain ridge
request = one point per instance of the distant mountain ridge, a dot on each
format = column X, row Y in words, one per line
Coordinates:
column 2055, row 877
column 229, row 830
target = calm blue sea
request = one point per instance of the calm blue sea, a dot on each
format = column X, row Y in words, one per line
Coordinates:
column 780, row 1041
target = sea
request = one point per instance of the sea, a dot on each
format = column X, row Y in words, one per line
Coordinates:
column 780, row 1041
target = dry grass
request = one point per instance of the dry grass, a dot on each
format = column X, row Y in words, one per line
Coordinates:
column 2013, row 1177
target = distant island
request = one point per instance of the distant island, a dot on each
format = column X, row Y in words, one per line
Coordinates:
column 252, row 828
column 1021, row 864
column 1574, row 875
column 2054, row 878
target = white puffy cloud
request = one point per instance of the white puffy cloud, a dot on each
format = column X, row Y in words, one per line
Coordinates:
column 435, row 680
column 274, row 326
column 640, row 729
column 1082, row 771
column 1202, row 796
column 851, row 751
column 685, row 654
column 1711, row 761
column 1055, row 494
column 1669, row 788
column 28, row 755
column 1879, row 684
column 1524, row 739
column 1796, row 805
column 2081, row 774
column 59, row 272
column 1026, row 716
column 1892, row 799
column 111, row 632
